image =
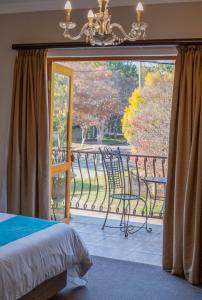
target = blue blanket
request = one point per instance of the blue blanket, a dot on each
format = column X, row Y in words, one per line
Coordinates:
column 19, row 226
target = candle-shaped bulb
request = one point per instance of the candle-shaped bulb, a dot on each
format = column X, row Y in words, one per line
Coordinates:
column 90, row 14
column 139, row 7
column 139, row 10
column 68, row 6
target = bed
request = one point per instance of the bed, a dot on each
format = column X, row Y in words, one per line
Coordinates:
column 38, row 257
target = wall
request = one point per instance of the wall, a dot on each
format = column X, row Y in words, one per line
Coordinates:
column 165, row 21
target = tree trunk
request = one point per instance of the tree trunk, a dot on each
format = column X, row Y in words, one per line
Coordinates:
column 100, row 133
column 84, row 131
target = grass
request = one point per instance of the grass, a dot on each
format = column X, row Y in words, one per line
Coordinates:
column 94, row 200
column 114, row 141
column 82, row 199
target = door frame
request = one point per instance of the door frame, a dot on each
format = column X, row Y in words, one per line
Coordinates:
column 111, row 58
column 143, row 58
column 53, row 67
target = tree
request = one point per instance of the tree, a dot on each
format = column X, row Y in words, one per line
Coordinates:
column 156, row 66
column 95, row 97
column 127, row 69
column 146, row 119
column 130, row 114
column 60, row 111
column 125, row 79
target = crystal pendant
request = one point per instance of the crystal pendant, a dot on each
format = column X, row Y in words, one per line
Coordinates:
column 102, row 40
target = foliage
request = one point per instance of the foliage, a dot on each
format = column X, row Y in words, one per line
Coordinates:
column 147, row 117
column 125, row 68
column 165, row 68
column 129, row 114
column 96, row 99
column 156, row 67
column 60, row 111
column 101, row 92
column 152, row 78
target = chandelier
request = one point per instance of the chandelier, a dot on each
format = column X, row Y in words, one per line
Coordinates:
column 99, row 31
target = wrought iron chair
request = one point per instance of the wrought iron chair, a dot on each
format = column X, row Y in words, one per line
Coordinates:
column 119, row 186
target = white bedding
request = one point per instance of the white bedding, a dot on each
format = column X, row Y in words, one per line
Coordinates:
column 29, row 261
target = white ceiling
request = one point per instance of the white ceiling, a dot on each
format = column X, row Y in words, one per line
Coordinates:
column 15, row 6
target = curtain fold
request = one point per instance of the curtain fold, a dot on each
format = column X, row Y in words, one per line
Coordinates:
column 28, row 157
column 182, row 245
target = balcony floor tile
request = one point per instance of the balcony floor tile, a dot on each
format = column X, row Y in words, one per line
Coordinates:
column 142, row 247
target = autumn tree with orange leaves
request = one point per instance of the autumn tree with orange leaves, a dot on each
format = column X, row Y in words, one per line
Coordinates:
column 96, row 98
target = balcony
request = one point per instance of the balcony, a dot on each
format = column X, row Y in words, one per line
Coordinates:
column 89, row 200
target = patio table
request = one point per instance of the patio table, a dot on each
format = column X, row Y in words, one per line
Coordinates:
column 159, row 180
column 154, row 180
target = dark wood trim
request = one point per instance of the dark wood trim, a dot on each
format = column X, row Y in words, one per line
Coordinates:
column 139, row 43
column 112, row 58
column 47, row 289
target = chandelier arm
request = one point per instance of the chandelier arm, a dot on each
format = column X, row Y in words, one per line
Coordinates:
column 99, row 30
column 77, row 37
column 126, row 36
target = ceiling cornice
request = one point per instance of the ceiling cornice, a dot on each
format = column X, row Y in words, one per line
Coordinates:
column 18, row 6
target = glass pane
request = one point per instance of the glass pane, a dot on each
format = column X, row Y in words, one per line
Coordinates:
column 60, row 117
column 58, row 196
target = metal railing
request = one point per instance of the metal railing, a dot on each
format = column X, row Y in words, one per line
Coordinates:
column 89, row 188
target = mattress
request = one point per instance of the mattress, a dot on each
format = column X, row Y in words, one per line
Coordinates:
column 30, row 260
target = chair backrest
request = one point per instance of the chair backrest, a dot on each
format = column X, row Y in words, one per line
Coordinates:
column 114, row 167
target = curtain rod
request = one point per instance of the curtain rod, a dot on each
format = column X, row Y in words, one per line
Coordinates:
column 139, row 43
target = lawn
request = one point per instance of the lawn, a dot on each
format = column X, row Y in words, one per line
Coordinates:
column 91, row 196
column 114, row 141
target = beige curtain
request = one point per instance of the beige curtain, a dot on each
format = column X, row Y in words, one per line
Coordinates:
column 28, row 158
column 182, row 247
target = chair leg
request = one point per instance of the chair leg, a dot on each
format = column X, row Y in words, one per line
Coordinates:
column 128, row 212
column 128, row 217
column 121, row 223
column 125, row 221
